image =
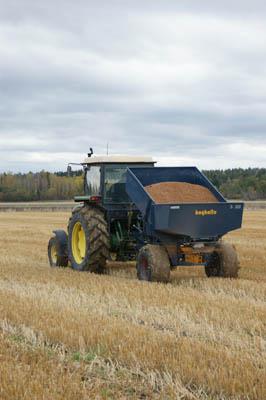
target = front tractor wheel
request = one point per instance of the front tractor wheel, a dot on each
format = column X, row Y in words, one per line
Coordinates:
column 223, row 262
column 88, row 240
column 153, row 264
column 57, row 253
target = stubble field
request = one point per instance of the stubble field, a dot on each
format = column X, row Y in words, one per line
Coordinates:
column 69, row 335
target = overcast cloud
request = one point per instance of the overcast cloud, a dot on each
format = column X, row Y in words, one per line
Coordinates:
column 185, row 83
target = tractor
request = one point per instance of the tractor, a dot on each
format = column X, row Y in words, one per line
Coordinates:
column 117, row 219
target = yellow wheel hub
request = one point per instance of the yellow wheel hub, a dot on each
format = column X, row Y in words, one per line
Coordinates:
column 78, row 242
column 54, row 254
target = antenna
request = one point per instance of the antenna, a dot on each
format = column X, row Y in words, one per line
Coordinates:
column 107, row 148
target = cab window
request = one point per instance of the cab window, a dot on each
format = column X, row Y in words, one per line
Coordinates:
column 93, row 180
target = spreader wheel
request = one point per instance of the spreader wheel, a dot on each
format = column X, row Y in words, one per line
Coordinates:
column 223, row 262
column 153, row 264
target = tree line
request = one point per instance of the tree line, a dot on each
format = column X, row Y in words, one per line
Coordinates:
column 39, row 186
column 237, row 183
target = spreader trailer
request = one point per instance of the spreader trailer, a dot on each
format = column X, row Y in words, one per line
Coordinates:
column 117, row 218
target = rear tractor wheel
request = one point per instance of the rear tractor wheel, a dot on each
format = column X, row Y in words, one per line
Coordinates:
column 223, row 262
column 88, row 240
column 153, row 264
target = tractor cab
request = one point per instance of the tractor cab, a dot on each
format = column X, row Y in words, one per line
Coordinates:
column 105, row 178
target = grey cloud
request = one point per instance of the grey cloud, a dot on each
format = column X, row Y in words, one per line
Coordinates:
column 167, row 78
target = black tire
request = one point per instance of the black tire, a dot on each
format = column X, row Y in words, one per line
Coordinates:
column 223, row 262
column 153, row 264
column 96, row 247
column 57, row 253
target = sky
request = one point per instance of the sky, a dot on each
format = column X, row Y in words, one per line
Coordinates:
column 184, row 83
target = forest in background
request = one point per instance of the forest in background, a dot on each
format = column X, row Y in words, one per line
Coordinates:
column 40, row 186
column 237, row 183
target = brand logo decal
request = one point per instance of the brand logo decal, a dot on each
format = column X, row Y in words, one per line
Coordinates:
column 202, row 213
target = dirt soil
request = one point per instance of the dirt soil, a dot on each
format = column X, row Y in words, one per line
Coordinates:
column 180, row 192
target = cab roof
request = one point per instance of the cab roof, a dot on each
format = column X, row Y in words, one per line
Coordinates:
column 119, row 159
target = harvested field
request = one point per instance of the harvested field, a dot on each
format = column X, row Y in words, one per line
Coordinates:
column 68, row 335
column 180, row 192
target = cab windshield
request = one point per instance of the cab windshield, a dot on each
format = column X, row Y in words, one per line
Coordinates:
column 93, row 180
